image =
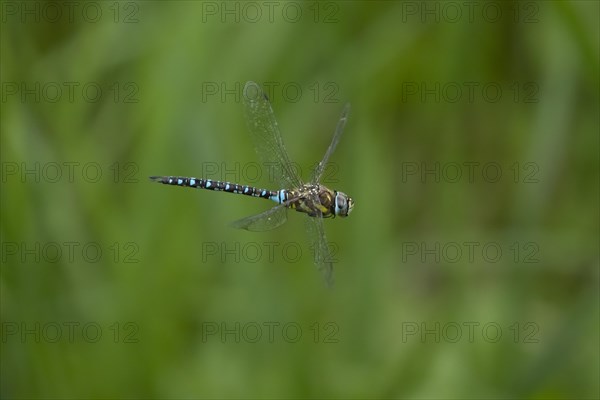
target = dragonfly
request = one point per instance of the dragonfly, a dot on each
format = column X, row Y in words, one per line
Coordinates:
column 313, row 199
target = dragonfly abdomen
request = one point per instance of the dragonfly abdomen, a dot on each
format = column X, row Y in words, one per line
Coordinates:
column 278, row 196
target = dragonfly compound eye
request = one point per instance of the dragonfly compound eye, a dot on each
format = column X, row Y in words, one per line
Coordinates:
column 343, row 204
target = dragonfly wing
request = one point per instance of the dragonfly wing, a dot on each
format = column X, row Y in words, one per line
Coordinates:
column 265, row 221
column 265, row 134
column 339, row 129
column 320, row 248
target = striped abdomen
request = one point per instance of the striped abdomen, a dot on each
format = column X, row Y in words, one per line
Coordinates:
column 278, row 196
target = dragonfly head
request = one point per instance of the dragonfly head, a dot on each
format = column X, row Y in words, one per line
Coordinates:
column 343, row 204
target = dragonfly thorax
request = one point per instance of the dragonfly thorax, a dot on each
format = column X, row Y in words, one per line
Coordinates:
column 319, row 201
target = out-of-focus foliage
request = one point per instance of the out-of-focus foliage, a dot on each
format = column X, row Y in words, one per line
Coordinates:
column 468, row 269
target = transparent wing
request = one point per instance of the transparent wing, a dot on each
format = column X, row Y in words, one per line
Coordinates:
column 339, row 129
column 267, row 138
column 265, row 221
column 320, row 248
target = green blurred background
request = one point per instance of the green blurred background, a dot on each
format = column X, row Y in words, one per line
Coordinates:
column 98, row 96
